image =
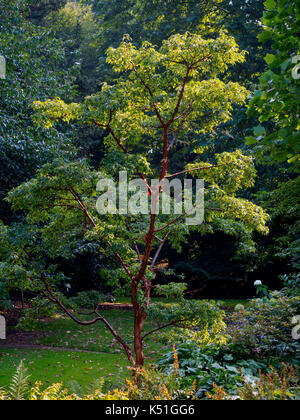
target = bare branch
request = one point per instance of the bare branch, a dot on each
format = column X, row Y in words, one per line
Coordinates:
column 83, row 207
column 87, row 323
column 164, row 326
column 159, row 250
column 200, row 168
column 123, row 148
column 171, row 223
column 135, row 244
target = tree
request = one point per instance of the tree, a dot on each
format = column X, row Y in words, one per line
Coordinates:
column 38, row 9
column 162, row 97
column 276, row 140
column 276, row 102
column 33, row 57
column 82, row 35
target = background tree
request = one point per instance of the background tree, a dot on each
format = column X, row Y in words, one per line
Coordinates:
column 276, row 140
column 33, row 58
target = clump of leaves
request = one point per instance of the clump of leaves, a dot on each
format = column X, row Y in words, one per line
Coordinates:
column 152, row 383
column 208, row 365
column 89, row 299
column 282, row 385
column 264, row 327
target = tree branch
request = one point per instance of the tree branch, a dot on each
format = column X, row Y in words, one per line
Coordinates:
column 200, row 168
column 83, row 207
column 135, row 244
column 164, row 326
column 163, row 124
column 159, row 250
column 171, row 223
column 87, row 323
column 181, row 94
column 93, row 223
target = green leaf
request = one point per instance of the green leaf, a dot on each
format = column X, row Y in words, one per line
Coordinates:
column 251, row 140
column 265, row 36
column 259, row 131
column 270, row 58
column 270, row 4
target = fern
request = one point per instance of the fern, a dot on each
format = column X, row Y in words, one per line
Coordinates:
column 89, row 389
column 19, row 384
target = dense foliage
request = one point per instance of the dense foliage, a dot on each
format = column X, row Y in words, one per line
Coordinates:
column 33, row 71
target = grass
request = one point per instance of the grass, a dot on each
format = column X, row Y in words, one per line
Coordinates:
column 231, row 303
column 64, row 367
column 63, row 332
column 224, row 302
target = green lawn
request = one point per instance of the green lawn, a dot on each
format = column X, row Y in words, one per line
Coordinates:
column 64, row 367
column 63, row 332
column 224, row 302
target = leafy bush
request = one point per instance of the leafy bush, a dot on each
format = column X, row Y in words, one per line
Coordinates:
column 264, row 327
column 152, row 383
column 257, row 337
column 283, row 385
column 40, row 308
column 209, row 365
column 291, row 284
column 4, row 296
column 89, row 299
column 200, row 321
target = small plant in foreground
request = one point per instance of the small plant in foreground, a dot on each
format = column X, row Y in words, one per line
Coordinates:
column 283, row 385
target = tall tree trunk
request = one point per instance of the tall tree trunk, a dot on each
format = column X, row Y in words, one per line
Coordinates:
column 139, row 322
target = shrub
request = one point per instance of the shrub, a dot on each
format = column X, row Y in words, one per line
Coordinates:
column 89, row 299
column 291, row 284
column 207, row 365
column 283, row 385
column 40, row 308
column 152, row 383
column 264, row 327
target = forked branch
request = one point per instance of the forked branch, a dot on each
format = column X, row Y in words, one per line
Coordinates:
column 88, row 323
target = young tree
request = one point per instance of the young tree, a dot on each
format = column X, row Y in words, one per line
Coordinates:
column 161, row 98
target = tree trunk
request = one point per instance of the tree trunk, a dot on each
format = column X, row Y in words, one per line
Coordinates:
column 139, row 322
column 22, row 299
